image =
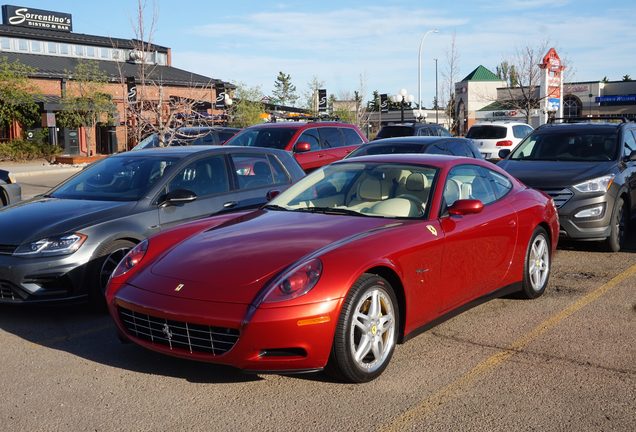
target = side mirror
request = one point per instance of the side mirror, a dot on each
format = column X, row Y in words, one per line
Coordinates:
column 179, row 196
column 302, row 147
column 465, row 206
column 272, row 194
column 503, row 153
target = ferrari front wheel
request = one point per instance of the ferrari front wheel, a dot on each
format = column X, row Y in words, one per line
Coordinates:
column 366, row 333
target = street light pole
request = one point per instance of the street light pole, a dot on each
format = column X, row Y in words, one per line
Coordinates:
column 436, row 98
column 419, row 68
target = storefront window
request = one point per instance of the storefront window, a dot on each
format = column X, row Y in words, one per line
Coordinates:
column 23, row 44
column 104, row 53
column 36, row 46
column 51, row 48
column 5, row 43
column 64, row 49
column 91, row 51
column 571, row 106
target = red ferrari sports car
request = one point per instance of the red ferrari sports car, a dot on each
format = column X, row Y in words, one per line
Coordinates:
column 335, row 271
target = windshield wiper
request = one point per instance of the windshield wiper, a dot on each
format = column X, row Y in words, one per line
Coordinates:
column 330, row 210
column 275, row 207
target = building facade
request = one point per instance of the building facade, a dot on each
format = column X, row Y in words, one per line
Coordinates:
column 482, row 96
column 139, row 78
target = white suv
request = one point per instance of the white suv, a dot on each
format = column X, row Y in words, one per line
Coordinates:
column 490, row 137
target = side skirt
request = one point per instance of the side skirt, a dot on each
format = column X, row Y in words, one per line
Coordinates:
column 509, row 289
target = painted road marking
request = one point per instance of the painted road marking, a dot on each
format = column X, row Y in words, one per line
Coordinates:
column 445, row 394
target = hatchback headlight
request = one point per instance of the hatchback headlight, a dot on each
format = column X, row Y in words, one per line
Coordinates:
column 50, row 246
column 599, row 184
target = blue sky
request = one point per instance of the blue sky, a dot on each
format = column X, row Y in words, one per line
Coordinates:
column 371, row 44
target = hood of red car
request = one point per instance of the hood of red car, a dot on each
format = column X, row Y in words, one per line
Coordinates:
column 231, row 263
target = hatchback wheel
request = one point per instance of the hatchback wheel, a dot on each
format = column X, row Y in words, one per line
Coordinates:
column 366, row 333
column 103, row 266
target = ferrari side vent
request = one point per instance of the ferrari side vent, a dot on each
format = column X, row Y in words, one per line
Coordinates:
column 178, row 335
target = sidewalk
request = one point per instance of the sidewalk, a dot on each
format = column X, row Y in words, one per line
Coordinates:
column 38, row 167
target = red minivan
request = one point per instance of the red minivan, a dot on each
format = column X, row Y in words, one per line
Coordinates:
column 313, row 144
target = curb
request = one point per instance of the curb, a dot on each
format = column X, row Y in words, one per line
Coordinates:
column 36, row 172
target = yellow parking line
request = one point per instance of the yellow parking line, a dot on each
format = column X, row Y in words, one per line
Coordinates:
column 446, row 393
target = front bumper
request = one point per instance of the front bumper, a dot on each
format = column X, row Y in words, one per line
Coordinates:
column 42, row 280
column 13, row 191
column 591, row 228
column 281, row 339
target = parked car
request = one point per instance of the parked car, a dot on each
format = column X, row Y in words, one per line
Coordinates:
column 356, row 257
column 314, row 144
column 194, row 135
column 412, row 129
column 65, row 244
column 589, row 169
column 431, row 145
column 490, row 137
column 10, row 190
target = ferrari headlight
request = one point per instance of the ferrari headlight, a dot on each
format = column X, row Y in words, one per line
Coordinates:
column 295, row 282
column 599, row 184
column 132, row 258
column 50, row 246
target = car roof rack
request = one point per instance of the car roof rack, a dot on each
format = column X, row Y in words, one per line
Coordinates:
column 587, row 119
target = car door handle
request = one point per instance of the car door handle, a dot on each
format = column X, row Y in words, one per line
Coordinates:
column 230, row 204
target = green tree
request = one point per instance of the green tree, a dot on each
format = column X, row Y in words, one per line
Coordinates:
column 17, row 94
column 507, row 72
column 627, row 78
column 284, row 91
column 374, row 103
column 86, row 102
column 605, row 80
column 246, row 108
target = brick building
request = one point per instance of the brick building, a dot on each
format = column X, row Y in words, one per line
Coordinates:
column 44, row 41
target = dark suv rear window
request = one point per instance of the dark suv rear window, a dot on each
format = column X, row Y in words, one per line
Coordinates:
column 395, row 131
column 486, row 132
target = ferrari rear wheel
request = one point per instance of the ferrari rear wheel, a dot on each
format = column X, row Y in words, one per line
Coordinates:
column 366, row 333
column 536, row 270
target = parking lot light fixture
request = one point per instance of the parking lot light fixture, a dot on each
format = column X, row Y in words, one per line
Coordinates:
column 419, row 68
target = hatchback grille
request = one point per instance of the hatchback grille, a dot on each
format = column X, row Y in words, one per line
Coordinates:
column 179, row 335
column 7, row 249
column 7, row 293
column 560, row 196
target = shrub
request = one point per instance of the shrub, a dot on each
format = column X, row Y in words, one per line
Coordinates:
column 21, row 150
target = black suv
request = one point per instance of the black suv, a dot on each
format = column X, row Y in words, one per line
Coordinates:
column 425, row 144
column 412, row 129
column 589, row 169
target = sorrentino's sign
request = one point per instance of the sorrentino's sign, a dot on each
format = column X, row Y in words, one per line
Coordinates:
column 36, row 18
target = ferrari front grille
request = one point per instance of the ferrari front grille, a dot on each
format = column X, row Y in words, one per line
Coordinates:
column 560, row 196
column 178, row 334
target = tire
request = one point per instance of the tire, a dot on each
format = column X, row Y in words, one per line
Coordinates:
column 370, row 332
column 618, row 224
column 537, row 265
column 102, row 267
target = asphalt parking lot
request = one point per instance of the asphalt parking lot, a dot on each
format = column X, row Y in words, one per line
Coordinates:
column 566, row 361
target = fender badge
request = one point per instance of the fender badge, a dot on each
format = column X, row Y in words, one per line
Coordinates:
column 179, row 287
column 432, row 229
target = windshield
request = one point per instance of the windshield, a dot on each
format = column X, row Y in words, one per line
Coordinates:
column 362, row 189
column 486, row 132
column 116, row 179
column 273, row 137
column 569, row 146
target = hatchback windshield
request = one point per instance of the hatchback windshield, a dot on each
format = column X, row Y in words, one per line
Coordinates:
column 274, row 137
column 569, row 146
column 116, row 179
column 362, row 189
column 486, row 132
